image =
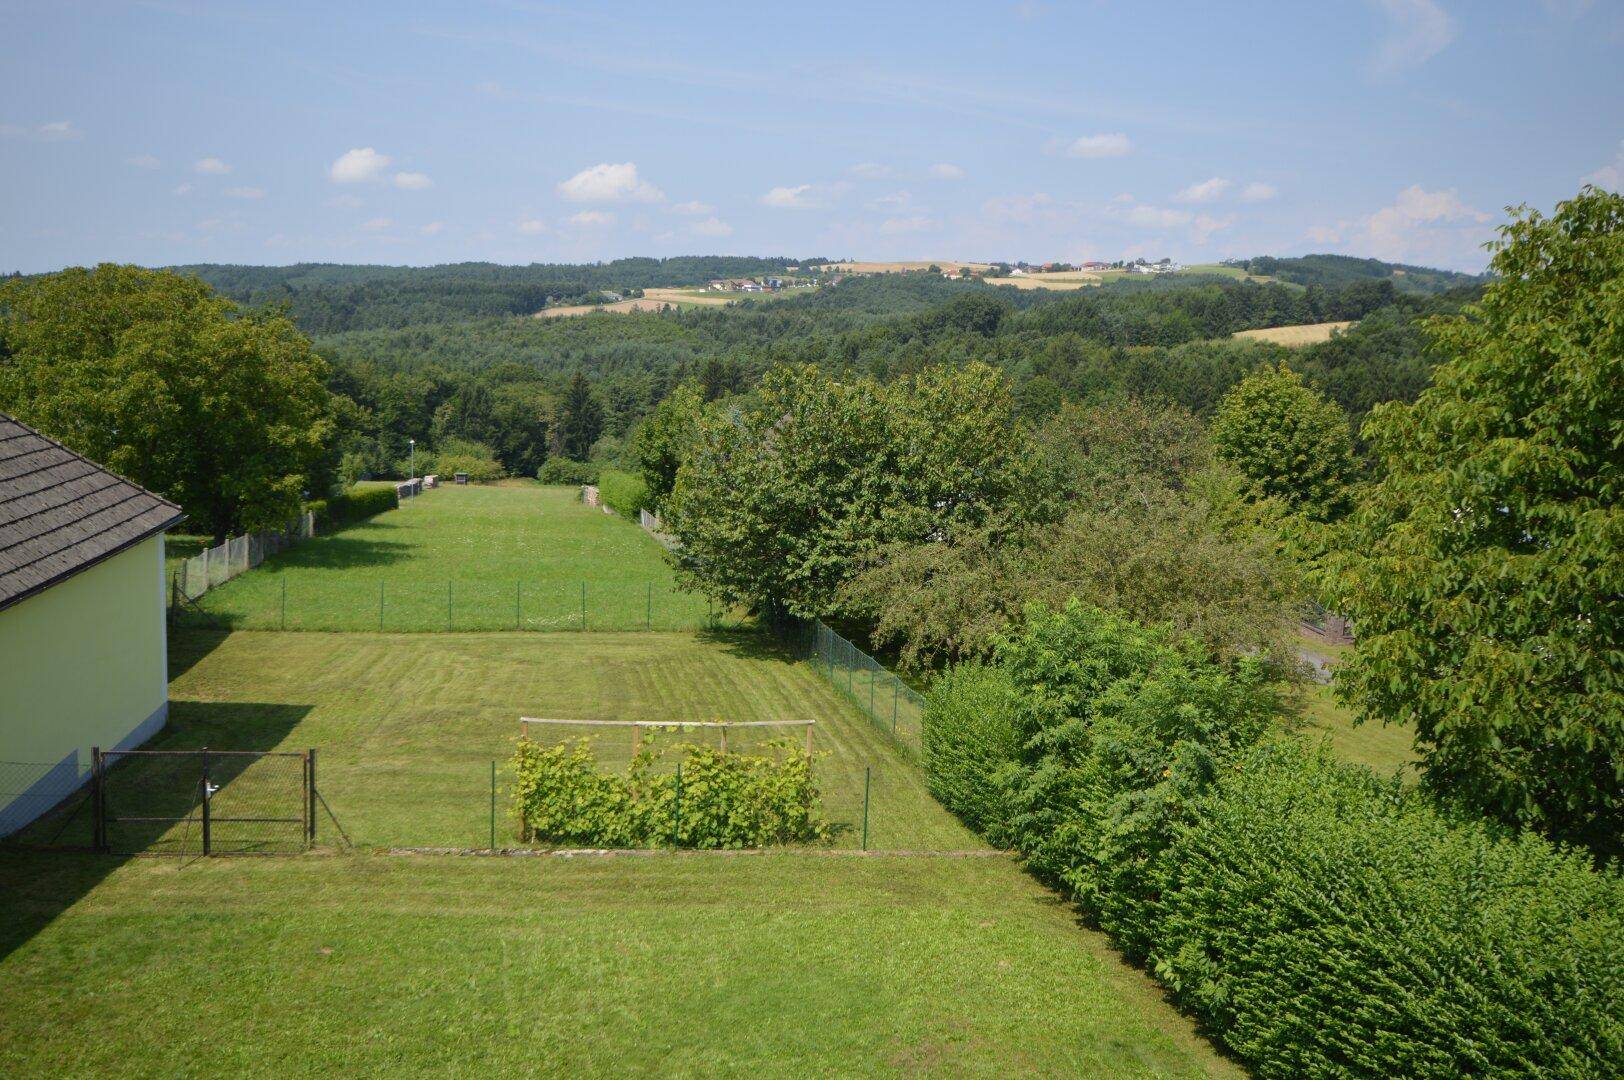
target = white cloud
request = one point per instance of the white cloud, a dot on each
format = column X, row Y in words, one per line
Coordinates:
column 798, row 197
column 1151, row 217
column 1420, row 223
column 1417, row 30
column 1205, row 225
column 1327, row 234
column 711, row 227
column 55, row 131
column 211, row 166
column 358, row 166
column 1206, row 191
column 897, row 200
column 531, row 226
column 609, row 183
column 694, row 208
column 433, row 228
column 592, row 218
column 413, row 181
column 346, row 202
column 1124, row 197
column 945, row 170
column 913, row 223
column 1257, row 191
column 143, row 161
column 246, row 192
column 869, row 170
column 183, row 189
column 1109, row 145
column 1609, row 176
column 377, row 224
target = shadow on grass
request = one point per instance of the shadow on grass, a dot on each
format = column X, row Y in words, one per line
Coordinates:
column 750, row 642
column 342, row 551
column 37, row 885
column 189, row 644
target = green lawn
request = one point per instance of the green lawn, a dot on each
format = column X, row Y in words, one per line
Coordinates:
column 406, row 726
column 669, row 965
column 468, row 558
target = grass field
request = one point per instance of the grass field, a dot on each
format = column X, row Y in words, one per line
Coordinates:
column 406, row 725
column 684, row 965
column 1386, row 748
column 1295, row 336
column 468, row 558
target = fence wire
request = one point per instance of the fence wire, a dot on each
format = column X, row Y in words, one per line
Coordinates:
column 217, row 565
column 893, row 705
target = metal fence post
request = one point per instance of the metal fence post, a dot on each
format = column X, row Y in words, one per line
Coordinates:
column 310, row 794
column 493, row 805
column 583, row 605
column 448, row 607
column 207, row 844
column 868, row 776
column 284, row 601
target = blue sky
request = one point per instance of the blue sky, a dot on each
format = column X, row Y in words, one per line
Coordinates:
column 179, row 131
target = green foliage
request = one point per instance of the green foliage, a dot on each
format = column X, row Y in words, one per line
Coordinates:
column 351, row 506
column 725, row 800
column 623, row 492
column 580, row 418
column 149, row 374
column 1323, row 922
column 1341, row 271
column 1485, row 569
column 1123, row 730
column 564, row 471
column 1288, row 440
column 782, row 495
column 666, row 438
column 455, row 455
column 970, row 746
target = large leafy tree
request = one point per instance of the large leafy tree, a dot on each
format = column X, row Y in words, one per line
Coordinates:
column 782, row 496
column 1486, row 571
column 150, row 374
column 1289, row 440
column 666, row 437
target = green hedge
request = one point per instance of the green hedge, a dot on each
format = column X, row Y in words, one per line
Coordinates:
column 1320, row 921
column 1323, row 922
column 726, row 801
column 623, row 492
column 970, row 745
column 354, row 505
column 560, row 470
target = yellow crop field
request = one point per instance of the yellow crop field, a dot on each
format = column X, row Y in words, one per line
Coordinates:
column 1294, row 336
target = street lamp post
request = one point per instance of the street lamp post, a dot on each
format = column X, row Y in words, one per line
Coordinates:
column 411, row 452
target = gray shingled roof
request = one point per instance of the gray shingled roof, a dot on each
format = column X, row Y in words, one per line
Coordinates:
column 60, row 513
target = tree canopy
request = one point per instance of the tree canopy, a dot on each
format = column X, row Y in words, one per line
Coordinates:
column 1485, row 571
column 151, row 375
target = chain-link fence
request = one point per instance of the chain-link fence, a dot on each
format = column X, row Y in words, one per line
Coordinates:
column 236, row 555
column 296, row 601
column 890, row 703
column 44, row 805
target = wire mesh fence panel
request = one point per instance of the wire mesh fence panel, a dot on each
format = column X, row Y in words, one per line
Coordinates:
column 203, row 802
column 893, row 705
column 300, row 601
column 45, row 805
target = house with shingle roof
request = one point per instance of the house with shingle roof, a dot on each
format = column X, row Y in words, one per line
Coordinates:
column 83, row 645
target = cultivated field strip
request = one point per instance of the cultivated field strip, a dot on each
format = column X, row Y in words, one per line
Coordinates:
column 407, row 725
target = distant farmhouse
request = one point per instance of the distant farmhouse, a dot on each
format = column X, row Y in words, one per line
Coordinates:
column 83, row 647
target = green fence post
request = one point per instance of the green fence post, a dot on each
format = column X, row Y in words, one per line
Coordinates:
column 284, row 602
column 868, row 775
column 448, row 606
column 676, row 832
column 583, row 605
column 493, row 805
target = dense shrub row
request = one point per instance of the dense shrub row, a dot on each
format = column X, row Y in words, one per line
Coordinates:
column 623, row 492
column 1319, row 920
column 725, row 800
column 354, row 505
column 562, row 470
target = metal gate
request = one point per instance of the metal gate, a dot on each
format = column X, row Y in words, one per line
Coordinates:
column 203, row 802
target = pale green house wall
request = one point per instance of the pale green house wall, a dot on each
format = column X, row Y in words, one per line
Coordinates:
column 85, row 663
